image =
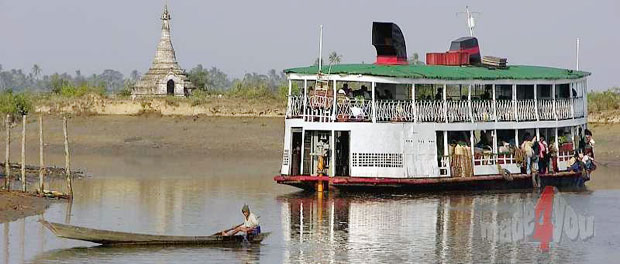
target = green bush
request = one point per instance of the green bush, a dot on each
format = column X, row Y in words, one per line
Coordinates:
column 70, row 90
column 256, row 90
column 15, row 104
column 603, row 101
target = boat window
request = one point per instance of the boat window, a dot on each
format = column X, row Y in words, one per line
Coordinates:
column 544, row 91
column 525, row 92
column 562, row 90
column 481, row 92
column 391, row 91
column 428, row 92
column 297, row 87
column 456, row 92
column 503, row 91
column 505, row 140
column 354, row 90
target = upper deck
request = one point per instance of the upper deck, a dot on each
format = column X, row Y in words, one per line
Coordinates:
column 436, row 93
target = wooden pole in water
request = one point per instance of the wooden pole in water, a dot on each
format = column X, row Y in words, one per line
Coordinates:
column 7, row 166
column 24, row 153
column 41, row 163
column 67, row 158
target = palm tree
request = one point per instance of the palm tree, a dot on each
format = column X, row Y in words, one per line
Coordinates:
column 334, row 58
column 36, row 71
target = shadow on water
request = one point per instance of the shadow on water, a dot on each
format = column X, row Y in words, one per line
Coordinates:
column 106, row 254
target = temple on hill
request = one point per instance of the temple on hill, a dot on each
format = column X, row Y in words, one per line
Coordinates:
column 165, row 77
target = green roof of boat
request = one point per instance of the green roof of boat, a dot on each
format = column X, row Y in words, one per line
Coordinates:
column 442, row 72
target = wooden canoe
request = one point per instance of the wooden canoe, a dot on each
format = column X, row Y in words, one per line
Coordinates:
column 113, row 238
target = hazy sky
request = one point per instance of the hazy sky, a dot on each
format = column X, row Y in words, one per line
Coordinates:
column 255, row 36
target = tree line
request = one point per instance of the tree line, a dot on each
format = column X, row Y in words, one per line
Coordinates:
column 114, row 82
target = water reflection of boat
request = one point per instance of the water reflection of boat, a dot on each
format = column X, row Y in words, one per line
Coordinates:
column 465, row 227
column 154, row 254
column 113, row 238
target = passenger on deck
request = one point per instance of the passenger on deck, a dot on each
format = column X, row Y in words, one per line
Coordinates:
column 543, row 163
column 526, row 146
column 347, row 90
column 250, row 223
column 439, row 94
column 504, row 148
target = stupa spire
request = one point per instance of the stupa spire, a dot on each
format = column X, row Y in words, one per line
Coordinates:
column 165, row 75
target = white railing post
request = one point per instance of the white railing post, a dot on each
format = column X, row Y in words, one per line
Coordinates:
column 514, row 102
column 555, row 113
column 494, row 104
column 572, row 100
column 536, row 102
column 304, row 115
column 414, row 109
column 334, row 104
column 469, row 107
column 374, row 116
column 445, row 105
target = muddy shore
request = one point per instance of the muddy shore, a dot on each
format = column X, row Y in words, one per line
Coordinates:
column 15, row 205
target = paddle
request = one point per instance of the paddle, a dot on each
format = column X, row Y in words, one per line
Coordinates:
column 225, row 231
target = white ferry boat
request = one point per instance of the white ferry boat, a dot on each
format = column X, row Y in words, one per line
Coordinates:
column 457, row 124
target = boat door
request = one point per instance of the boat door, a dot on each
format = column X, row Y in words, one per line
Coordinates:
column 296, row 151
column 421, row 153
column 342, row 152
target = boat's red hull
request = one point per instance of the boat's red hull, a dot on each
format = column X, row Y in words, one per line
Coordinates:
column 487, row 182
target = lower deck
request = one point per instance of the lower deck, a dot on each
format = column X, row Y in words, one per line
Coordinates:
column 487, row 182
column 421, row 151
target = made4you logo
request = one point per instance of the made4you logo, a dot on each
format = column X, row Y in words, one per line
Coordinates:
column 551, row 219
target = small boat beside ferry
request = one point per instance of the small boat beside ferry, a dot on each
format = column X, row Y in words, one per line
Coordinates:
column 461, row 121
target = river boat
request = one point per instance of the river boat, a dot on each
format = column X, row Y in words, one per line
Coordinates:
column 456, row 122
column 114, row 238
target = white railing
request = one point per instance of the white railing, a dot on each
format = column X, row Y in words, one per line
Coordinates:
column 397, row 111
column 505, row 110
column 319, row 108
column 578, row 106
column 526, row 110
column 482, row 110
column 562, row 109
column 430, row 111
column 354, row 110
column 458, row 111
column 484, row 159
column 505, row 158
column 295, row 106
column 545, row 110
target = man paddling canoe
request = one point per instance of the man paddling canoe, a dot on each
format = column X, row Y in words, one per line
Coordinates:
column 250, row 223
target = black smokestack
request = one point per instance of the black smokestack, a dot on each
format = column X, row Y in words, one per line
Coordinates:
column 389, row 43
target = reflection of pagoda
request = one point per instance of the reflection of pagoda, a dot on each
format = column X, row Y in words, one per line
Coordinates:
column 165, row 77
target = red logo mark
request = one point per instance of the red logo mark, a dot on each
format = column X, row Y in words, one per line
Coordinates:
column 543, row 232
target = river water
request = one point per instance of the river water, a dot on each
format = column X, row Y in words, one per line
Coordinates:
column 191, row 196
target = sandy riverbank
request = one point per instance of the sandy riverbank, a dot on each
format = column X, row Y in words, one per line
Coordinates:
column 167, row 106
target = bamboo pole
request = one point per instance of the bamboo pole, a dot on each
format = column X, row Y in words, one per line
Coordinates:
column 41, row 163
column 7, row 165
column 24, row 153
column 67, row 158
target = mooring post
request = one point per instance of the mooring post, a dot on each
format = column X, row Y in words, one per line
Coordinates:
column 67, row 158
column 7, row 165
column 24, row 153
column 41, row 163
